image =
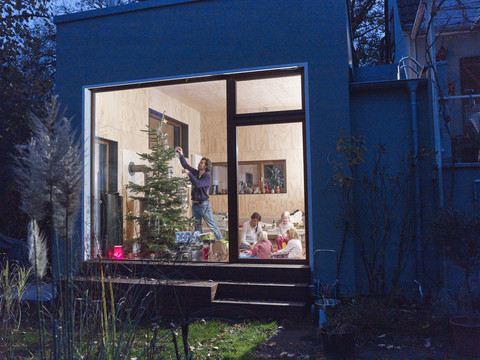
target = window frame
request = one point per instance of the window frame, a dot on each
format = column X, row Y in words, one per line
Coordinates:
column 155, row 117
column 234, row 120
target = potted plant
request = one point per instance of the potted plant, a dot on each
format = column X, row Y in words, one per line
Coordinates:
column 457, row 233
column 274, row 179
column 338, row 340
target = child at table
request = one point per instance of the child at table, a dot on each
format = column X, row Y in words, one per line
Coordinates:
column 282, row 230
column 294, row 245
column 263, row 247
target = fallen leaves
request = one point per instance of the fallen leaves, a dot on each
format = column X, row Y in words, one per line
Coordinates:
column 388, row 346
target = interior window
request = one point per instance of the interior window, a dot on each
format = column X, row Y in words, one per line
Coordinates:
column 176, row 131
column 467, row 139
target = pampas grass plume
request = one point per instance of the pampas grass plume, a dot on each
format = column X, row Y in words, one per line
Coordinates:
column 37, row 249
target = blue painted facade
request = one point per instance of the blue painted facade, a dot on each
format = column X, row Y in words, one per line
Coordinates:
column 456, row 38
column 157, row 40
column 383, row 111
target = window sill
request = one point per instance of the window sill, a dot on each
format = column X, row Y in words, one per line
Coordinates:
column 449, row 164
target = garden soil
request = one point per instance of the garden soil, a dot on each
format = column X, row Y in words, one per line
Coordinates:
column 302, row 340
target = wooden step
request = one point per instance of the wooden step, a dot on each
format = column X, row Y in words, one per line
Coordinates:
column 260, row 309
column 203, row 289
column 281, row 304
column 164, row 291
column 263, row 291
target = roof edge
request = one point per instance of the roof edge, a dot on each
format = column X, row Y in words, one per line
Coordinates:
column 382, row 84
column 59, row 19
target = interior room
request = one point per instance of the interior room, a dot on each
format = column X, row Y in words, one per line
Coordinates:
column 269, row 165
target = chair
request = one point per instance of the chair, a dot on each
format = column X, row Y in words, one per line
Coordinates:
column 407, row 64
column 219, row 251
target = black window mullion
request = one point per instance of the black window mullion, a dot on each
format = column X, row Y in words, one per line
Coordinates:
column 266, row 74
column 267, row 118
column 232, row 171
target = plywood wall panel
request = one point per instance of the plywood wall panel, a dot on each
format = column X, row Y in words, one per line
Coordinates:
column 214, row 136
column 122, row 115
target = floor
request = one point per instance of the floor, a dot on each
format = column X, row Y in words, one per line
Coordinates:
column 301, row 340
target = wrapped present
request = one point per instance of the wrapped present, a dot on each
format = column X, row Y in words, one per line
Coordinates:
column 186, row 237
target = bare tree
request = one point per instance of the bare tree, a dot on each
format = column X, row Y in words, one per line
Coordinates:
column 67, row 7
column 367, row 19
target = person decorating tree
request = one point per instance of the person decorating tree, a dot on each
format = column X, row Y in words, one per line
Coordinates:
column 201, row 181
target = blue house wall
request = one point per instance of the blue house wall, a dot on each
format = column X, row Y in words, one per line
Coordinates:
column 167, row 39
column 381, row 111
column 170, row 39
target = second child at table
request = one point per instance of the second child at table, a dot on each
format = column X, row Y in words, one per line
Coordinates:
column 263, row 248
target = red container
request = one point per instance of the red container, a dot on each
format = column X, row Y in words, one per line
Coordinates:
column 118, row 252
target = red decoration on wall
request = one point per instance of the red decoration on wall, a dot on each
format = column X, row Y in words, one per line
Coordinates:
column 442, row 53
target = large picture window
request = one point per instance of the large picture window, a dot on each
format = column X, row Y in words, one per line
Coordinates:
column 249, row 125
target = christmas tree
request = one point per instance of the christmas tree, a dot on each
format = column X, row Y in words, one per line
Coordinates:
column 163, row 197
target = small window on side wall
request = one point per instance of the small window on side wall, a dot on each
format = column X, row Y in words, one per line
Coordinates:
column 176, row 131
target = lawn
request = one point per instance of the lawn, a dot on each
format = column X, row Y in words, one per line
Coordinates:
column 206, row 339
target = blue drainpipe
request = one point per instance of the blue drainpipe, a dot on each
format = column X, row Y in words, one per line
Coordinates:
column 412, row 88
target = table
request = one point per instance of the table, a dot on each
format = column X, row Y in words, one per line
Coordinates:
column 274, row 233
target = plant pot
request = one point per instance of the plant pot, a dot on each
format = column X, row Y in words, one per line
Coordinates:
column 338, row 341
column 466, row 333
column 319, row 310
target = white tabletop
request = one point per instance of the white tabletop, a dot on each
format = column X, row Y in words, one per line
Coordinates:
column 301, row 232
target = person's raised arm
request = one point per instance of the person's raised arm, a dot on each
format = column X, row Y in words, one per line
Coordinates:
column 184, row 162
